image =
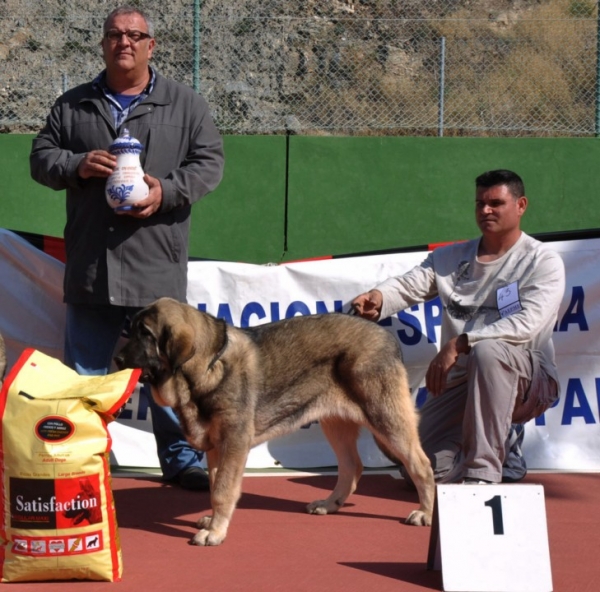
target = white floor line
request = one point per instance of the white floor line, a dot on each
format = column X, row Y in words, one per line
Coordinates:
column 392, row 471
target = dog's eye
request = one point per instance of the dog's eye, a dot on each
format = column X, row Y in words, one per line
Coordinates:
column 144, row 331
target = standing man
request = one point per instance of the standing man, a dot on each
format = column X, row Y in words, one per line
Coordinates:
column 500, row 295
column 118, row 263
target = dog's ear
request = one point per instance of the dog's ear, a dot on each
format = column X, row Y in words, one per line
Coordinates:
column 220, row 341
column 177, row 343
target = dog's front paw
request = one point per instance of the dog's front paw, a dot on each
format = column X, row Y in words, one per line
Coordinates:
column 207, row 538
column 317, row 507
column 322, row 507
column 418, row 518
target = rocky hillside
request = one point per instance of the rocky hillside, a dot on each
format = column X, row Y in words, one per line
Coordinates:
column 266, row 65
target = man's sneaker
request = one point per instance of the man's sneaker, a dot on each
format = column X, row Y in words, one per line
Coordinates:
column 514, row 467
column 475, row 481
column 193, row 478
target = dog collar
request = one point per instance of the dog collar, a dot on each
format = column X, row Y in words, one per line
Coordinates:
column 221, row 351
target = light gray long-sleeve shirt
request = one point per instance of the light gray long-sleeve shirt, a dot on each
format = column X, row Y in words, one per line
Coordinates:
column 515, row 298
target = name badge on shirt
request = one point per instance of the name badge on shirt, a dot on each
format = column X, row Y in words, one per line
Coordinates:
column 508, row 301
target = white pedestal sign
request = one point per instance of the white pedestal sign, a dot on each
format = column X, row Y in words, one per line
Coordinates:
column 491, row 538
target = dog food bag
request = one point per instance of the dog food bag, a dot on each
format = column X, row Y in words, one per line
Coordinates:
column 57, row 510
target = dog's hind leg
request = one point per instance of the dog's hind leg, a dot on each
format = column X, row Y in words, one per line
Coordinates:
column 393, row 420
column 419, row 468
column 406, row 448
column 342, row 436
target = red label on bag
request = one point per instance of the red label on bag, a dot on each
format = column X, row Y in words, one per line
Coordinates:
column 45, row 504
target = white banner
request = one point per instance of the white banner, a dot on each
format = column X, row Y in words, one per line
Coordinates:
column 564, row 438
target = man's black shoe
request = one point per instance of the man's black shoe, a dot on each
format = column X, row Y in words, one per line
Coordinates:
column 193, row 478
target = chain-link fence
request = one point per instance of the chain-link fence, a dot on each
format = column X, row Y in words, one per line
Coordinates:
column 394, row 67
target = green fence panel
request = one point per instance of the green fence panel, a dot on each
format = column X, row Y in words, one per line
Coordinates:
column 242, row 220
column 24, row 204
column 345, row 195
column 357, row 194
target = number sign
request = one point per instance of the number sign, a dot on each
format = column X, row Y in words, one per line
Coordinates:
column 491, row 538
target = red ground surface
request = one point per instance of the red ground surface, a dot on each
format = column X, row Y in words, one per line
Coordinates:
column 273, row 545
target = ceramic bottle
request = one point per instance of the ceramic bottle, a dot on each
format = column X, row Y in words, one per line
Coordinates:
column 126, row 184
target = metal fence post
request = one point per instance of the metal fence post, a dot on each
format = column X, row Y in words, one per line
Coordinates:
column 597, row 127
column 196, row 73
column 442, row 84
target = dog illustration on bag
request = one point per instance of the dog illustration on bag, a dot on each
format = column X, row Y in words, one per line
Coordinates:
column 86, row 505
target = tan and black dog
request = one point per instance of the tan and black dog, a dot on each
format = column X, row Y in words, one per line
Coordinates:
column 235, row 388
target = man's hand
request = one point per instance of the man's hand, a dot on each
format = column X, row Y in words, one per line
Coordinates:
column 437, row 373
column 150, row 205
column 97, row 163
column 368, row 305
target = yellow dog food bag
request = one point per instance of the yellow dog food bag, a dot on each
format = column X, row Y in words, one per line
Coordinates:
column 58, row 515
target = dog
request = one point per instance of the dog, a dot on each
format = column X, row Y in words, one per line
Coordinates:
column 233, row 389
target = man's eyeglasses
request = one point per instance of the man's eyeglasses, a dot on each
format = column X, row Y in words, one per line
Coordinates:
column 133, row 36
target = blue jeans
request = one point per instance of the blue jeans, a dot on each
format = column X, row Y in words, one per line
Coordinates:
column 91, row 335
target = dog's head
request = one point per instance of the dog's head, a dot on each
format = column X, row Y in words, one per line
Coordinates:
column 164, row 336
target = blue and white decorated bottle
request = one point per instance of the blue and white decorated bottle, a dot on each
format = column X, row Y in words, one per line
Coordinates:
column 126, row 185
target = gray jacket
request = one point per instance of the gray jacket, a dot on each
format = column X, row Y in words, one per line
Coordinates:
column 116, row 259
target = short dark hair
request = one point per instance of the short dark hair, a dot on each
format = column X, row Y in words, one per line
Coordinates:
column 129, row 10
column 502, row 177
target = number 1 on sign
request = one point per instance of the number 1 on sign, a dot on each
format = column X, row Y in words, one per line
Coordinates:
column 496, row 505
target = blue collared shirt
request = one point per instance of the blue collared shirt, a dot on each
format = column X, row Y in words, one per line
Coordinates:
column 119, row 112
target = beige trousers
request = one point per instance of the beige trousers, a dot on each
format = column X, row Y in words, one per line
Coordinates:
column 464, row 430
